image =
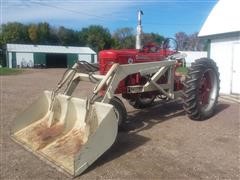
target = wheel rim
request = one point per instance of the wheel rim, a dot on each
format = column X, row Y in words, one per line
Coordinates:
column 117, row 115
column 208, row 89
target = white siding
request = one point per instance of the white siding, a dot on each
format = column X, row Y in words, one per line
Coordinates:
column 49, row 49
column 236, row 69
column 193, row 55
column 221, row 51
column 10, row 60
column 95, row 58
column 24, row 59
column 87, row 57
column 84, row 57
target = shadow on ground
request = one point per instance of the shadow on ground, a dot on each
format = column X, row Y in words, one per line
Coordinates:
column 221, row 107
column 144, row 119
column 139, row 120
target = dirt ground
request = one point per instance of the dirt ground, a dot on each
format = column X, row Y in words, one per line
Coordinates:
column 157, row 143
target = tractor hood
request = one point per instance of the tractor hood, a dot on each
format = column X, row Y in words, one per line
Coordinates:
column 129, row 56
column 114, row 54
column 107, row 57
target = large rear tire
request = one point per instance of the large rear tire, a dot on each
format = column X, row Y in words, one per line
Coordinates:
column 201, row 91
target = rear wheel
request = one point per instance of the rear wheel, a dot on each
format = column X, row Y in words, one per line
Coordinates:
column 201, row 89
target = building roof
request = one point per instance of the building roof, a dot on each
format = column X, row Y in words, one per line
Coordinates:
column 224, row 18
column 49, row 49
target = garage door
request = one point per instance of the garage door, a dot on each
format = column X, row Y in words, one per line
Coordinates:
column 236, row 69
column 56, row 60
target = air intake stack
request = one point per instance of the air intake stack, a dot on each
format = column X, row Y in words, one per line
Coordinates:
column 139, row 30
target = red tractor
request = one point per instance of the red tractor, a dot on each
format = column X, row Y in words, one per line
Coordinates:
column 71, row 133
column 199, row 88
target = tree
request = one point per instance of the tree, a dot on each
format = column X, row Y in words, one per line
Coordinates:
column 124, row 38
column 33, row 33
column 182, row 40
column 96, row 37
column 195, row 43
column 14, row 33
column 152, row 37
column 53, row 37
column 189, row 42
column 39, row 33
column 43, row 33
column 66, row 36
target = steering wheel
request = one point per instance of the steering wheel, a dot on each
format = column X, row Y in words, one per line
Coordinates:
column 171, row 44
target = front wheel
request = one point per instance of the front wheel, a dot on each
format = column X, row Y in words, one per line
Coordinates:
column 119, row 109
column 201, row 91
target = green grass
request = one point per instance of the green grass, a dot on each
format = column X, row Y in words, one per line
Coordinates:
column 182, row 70
column 9, row 71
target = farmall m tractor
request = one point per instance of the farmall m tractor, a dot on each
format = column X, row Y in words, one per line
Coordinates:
column 71, row 133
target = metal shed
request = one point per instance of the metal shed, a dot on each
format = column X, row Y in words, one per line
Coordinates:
column 222, row 29
column 23, row 55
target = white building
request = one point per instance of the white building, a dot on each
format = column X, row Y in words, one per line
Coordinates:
column 22, row 55
column 193, row 55
column 222, row 29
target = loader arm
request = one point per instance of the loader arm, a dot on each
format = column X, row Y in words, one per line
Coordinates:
column 118, row 72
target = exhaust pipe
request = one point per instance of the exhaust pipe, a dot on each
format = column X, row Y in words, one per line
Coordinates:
column 139, row 31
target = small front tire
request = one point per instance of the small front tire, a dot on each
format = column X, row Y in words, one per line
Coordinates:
column 120, row 110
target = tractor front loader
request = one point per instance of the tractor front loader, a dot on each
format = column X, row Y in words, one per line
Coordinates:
column 70, row 133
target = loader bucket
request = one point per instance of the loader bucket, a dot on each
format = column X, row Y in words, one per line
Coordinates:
column 75, row 139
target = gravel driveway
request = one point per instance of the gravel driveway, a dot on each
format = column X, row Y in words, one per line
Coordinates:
column 156, row 143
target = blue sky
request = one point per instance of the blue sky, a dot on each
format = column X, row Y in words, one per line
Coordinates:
column 165, row 17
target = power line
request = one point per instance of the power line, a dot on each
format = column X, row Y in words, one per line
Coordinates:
column 69, row 10
column 102, row 18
